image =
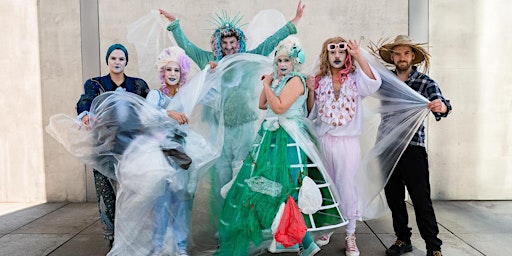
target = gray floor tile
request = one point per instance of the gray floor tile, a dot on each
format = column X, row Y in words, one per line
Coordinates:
column 489, row 243
column 31, row 245
column 94, row 229
column 71, row 219
column 466, row 228
column 21, row 214
column 475, row 216
column 84, row 245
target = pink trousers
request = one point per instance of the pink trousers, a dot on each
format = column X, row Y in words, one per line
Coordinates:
column 342, row 159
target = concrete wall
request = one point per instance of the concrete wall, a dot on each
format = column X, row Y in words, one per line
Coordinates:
column 22, row 176
column 61, row 79
column 54, row 45
column 322, row 19
column 472, row 150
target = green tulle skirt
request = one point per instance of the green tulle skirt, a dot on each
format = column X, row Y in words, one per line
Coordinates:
column 272, row 171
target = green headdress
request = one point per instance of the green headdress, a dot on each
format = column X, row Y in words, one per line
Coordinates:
column 226, row 27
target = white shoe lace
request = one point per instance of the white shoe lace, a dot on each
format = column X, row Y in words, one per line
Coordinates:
column 301, row 251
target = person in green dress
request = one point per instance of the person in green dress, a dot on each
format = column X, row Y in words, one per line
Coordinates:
column 283, row 155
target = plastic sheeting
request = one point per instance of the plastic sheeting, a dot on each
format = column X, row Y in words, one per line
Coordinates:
column 392, row 115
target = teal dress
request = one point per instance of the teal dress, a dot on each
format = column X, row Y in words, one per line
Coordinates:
column 283, row 153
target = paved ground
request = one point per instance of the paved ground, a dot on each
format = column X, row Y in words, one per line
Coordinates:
column 69, row 229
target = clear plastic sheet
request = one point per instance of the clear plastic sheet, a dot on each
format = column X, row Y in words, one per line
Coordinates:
column 392, row 115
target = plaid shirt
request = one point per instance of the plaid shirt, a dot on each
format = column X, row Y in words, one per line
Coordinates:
column 427, row 87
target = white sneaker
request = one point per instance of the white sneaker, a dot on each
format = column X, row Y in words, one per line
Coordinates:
column 182, row 252
column 351, row 246
column 324, row 240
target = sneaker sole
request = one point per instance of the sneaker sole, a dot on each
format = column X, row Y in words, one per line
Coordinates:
column 322, row 242
column 315, row 251
column 351, row 253
column 283, row 250
column 273, row 249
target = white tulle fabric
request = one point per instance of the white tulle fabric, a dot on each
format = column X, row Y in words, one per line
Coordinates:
column 150, row 37
column 125, row 142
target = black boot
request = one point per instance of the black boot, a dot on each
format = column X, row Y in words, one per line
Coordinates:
column 434, row 253
column 400, row 247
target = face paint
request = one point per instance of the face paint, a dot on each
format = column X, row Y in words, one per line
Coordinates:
column 117, row 61
column 284, row 65
column 172, row 73
column 337, row 57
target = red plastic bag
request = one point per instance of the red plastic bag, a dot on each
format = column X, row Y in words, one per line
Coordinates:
column 292, row 227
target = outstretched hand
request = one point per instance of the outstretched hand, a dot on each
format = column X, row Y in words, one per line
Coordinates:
column 353, row 48
column 166, row 14
column 438, row 106
column 298, row 14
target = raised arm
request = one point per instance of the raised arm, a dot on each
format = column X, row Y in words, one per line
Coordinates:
column 354, row 49
column 198, row 55
column 298, row 14
column 267, row 46
column 167, row 15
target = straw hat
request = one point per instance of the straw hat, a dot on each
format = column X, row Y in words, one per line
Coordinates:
column 420, row 53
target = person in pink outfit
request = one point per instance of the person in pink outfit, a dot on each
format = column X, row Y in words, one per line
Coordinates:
column 335, row 107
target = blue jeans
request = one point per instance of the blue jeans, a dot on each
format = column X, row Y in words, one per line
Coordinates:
column 172, row 209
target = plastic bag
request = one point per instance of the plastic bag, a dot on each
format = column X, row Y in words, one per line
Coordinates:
column 265, row 186
column 292, row 227
column 277, row 218
column 310, row 198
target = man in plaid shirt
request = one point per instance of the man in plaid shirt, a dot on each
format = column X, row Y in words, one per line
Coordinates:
column 412, row 168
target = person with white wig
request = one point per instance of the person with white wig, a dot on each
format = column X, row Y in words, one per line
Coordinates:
column 173, row 208
column 284, row 158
